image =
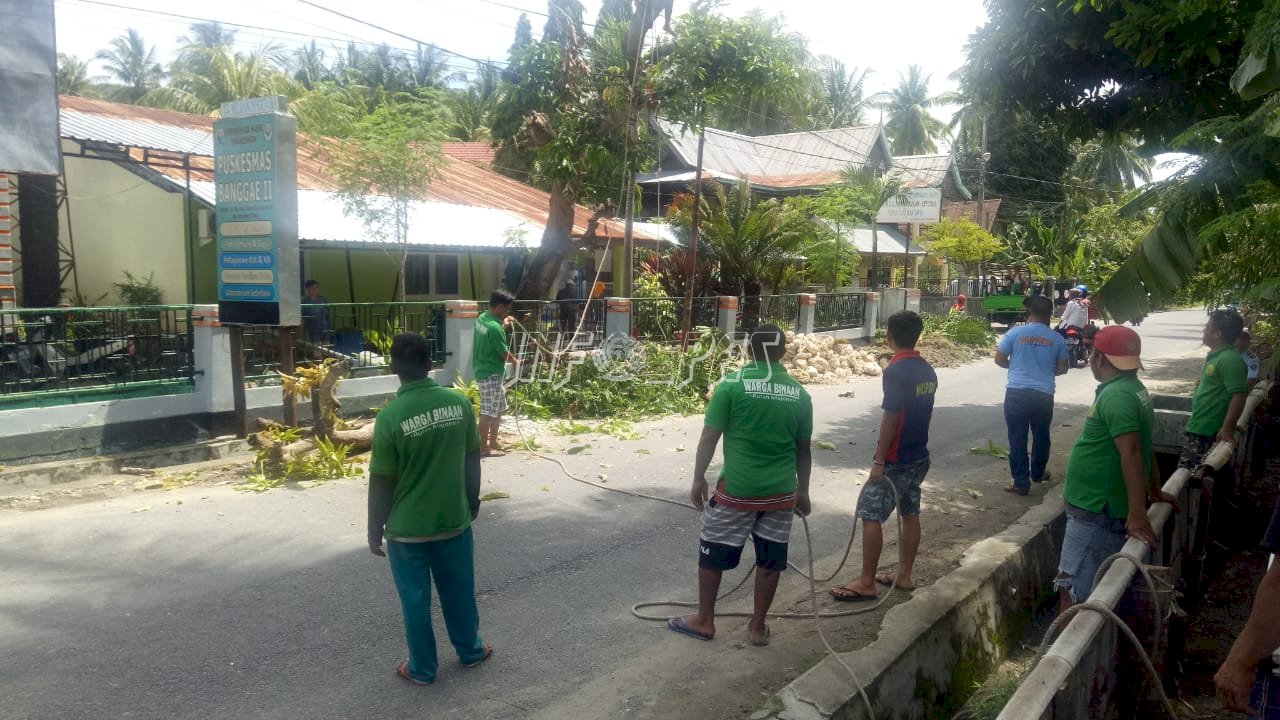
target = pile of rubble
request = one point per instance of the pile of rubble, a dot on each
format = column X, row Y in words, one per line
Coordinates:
column 823, row 359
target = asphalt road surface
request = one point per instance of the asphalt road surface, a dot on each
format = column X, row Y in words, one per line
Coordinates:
column 206, row 602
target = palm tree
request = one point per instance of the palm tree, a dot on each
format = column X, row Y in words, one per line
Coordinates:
column 872, row 192
column 73, row 76
column 133, row 64
column 224, row 76
column 1111, row 162
column 309, row 65
column 841, row 93
column 473, row 107
column 195, row 51
column 911, row 128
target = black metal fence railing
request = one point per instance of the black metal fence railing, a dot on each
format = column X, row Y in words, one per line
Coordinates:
column 561, row 324
column 932, row 286
column 80, row 351
column 839, row 311
column 780, row 310
column 362, row 331
column 660, row 319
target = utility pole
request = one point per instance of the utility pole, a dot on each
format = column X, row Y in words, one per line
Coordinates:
column 983, row 158
column 687, row 324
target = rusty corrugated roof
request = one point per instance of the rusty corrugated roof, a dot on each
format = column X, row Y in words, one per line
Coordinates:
column 458, row 182
column 473, row 152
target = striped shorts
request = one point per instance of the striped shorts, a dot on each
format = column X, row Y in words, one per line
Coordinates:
column 725, row 532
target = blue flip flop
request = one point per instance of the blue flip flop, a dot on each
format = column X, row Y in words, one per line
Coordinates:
column 680, row 625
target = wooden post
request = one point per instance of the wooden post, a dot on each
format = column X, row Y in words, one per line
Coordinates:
column 286, row 345
column 237, row 382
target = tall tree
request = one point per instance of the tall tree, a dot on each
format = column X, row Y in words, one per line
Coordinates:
column 473, row 107
column 524, row 35
column 841, row 98
column 911, row 127
column 615, row 11
column 209, row 34
column 1111, row 165
column 222, row 75
column 132, row 63
column 564, row 21
column 310, row 67
column 73, row 76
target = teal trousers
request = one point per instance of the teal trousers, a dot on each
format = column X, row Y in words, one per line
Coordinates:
column 450, row 563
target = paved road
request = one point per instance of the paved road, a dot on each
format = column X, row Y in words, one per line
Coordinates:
column 210, row 603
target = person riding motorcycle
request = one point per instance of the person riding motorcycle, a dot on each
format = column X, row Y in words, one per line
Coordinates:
column 1074, row 314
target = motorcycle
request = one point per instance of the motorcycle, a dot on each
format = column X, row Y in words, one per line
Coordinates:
column 41, row 358
column 1080, row 345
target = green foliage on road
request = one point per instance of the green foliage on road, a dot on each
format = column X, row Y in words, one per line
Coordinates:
column 960, row 328
column 668, row 381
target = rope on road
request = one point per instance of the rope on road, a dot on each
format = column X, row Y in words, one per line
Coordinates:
column 817, row 615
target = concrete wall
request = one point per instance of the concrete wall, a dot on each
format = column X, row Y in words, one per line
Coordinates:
column 123, row 222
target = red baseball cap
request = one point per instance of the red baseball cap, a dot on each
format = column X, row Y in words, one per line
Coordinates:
column 1121, row 345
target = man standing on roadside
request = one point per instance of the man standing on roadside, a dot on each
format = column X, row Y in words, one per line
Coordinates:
column 1107, row 475
column 1220, row 394
column 424, row 491
column 315, row 317
column 489, row 357
column 1247, row 680
column 1034, row 356
column 567, row 309
column 766, row 419
column 901, row 458
column 1251, row 363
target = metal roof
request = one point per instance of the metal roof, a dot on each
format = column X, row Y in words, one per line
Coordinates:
column 457, row 182
column 927, row 171
column 776, row 156
column 891, row 241
column 322, row 219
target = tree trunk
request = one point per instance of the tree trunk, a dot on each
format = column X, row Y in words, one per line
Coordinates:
column 557, row 243
column 38, row 228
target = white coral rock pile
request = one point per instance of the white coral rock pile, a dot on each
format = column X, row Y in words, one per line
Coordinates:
column 823, row 359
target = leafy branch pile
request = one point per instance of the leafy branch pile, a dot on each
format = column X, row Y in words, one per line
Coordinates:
column 667, row 381
column 960, row 328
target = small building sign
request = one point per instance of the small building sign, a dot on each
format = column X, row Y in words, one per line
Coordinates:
column 256, row 178
column 918, row 205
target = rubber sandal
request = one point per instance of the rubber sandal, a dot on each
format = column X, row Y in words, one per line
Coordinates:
column 847, row 595
column 488, row 651
column 763, row 642
column 403, row 671
column 680, row 625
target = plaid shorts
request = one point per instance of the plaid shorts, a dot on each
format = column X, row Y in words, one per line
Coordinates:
column 877, row 500
column 493, row 396
column 1194, row 448
column 725, row 531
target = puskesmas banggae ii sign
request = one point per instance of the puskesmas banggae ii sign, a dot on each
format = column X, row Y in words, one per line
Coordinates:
column 256, row 175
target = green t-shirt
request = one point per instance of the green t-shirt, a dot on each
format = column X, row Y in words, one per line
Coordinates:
column 422, row 439
column 489, row 347
column 762, row 413
column 1095, row 479
column 1224, row 375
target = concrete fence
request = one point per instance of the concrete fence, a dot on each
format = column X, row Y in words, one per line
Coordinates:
column 1091, row 669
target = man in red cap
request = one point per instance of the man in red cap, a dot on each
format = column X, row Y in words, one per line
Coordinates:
column 1107, row 484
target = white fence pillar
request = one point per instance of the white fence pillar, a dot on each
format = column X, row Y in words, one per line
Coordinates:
column 617, row 319
column 211, row 353
column 727, row 315
column 808, row 311
column 459, row 332
column 871, row 316
column 913, row 300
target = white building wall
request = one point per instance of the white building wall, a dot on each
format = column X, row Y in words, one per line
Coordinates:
column 123, row 222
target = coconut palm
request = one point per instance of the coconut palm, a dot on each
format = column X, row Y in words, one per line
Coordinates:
column 132, row 63
column 841, row 94
column 1111, row 162
column 473, row 107
column 911, row 128
column 309, row 66
column 73, row 76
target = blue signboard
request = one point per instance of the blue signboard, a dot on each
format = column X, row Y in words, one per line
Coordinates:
column 255, row 172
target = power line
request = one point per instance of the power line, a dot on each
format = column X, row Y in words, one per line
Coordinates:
column 271, row 33
column 401, row 35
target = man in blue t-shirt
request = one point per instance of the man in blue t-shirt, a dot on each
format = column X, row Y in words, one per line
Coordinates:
column 901, row 458
column 1034, row 355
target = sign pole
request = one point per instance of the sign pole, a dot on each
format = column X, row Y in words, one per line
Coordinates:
column 237, row 382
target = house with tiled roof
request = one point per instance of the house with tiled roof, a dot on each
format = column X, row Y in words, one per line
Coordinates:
column 140, row 196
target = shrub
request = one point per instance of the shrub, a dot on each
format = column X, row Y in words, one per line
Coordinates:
column 960, row 328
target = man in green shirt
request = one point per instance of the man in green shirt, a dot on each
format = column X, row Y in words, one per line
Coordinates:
column 1109, row 468
column 489, row 357
column 766, row 419
column 424, row 491
column 1221, row 392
